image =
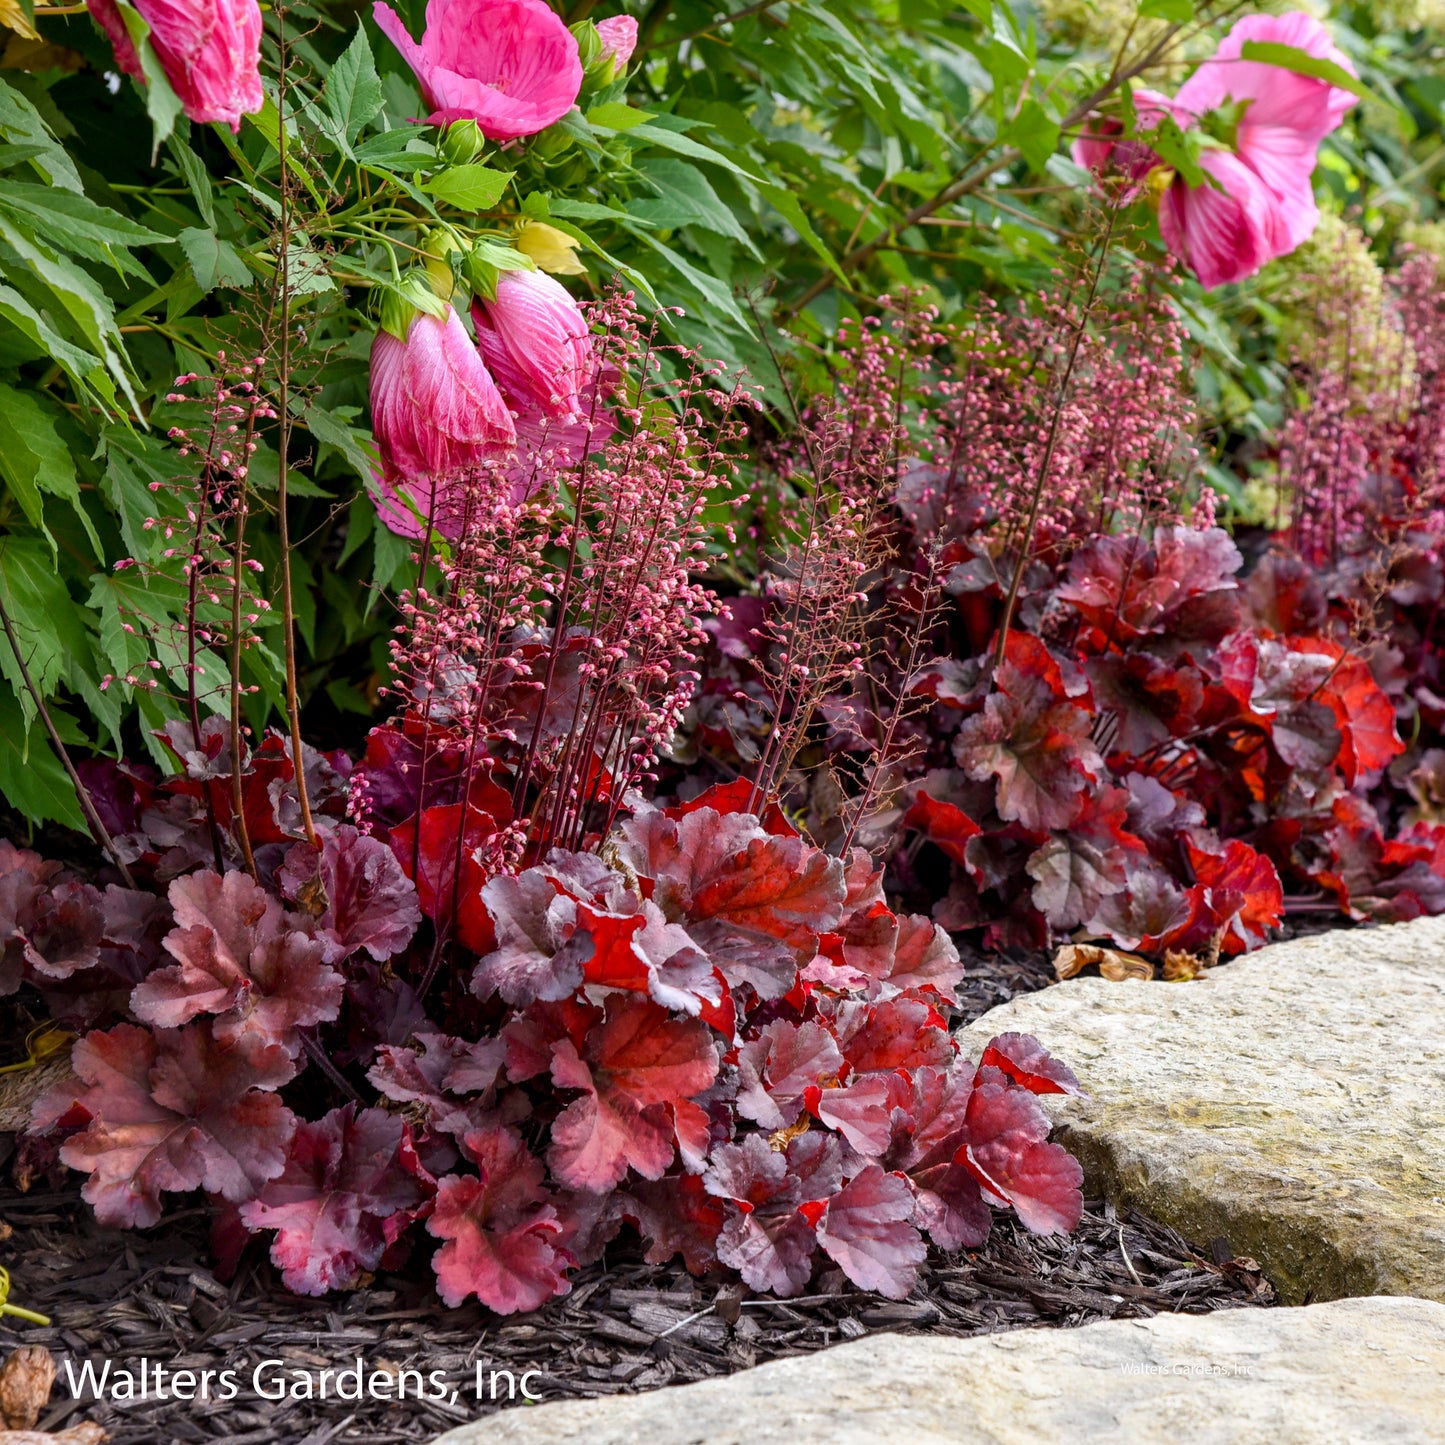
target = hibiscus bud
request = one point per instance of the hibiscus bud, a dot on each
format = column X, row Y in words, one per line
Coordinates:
column 618, row 34
column 510, row 65
column 435, row 410
column 589, row 45
column 551, row 249
column 209, row 50
column 536, row 342
column 462, row 143
column 486, row 262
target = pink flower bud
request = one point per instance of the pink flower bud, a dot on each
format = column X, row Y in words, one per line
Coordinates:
column 210, row 51
column 435, row 409
column 510, row 65
column 535, row 340
column 618, row 34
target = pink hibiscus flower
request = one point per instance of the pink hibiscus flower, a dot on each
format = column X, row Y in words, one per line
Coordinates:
column 510, row 65
column 210, row 53
column 1261, row 203
column 435, row 409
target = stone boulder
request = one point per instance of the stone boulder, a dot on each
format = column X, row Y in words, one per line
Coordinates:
column 1291, row 1102
column 1367, row 1372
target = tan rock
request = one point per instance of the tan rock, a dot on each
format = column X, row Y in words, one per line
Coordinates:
column 1291, row 1102
column 1355, row 1372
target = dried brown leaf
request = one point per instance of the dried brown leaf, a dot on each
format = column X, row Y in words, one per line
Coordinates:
column 86, row 1434
column 1073, row 958
column 25, row 1381
column 1180, row 966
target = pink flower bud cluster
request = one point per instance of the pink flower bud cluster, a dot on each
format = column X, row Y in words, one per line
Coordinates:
column 563, row 641
column 1116, row 429
column 201, row 512
column 1362, row 456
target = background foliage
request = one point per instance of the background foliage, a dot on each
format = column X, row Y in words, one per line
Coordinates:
column 776, row 161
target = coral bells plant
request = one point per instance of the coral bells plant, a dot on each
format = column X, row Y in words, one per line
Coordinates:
column 1111, row 731
column 481, row 997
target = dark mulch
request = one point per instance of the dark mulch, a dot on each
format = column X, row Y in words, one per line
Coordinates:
column 626, row 1326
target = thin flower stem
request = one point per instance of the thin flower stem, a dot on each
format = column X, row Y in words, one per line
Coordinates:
column 98, row 830
column 283, row 440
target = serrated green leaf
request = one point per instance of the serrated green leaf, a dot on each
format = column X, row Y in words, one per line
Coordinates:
column 334, row 431
column 214, row 262
column 32, row 780
column 1036, row 133
column 353, row 92
column 48, row 628
column 34, row 460
column 197, row 178
column 468, row 188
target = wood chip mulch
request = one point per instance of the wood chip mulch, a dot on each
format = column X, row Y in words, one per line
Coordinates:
column 625, row 1327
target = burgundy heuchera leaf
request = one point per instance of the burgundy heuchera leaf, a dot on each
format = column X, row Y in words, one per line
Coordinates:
column 238, row 955
column 176, row 1110
column 343, row 1179
column 501, row 1231
column 637, row 1060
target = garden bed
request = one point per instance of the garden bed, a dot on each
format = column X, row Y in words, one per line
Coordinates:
column 625, row 1327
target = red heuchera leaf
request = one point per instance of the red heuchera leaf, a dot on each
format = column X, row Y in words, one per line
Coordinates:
column 927, row 1135
column 898, row 1033
column 924, row 957
column 754, row 903
column 860, row 1111
column 500, row 1228
column 1237, row 891
column 440, row 1076
column 1007, row 1152
column 175, row 1110
column 765, row 1238
column 428, row 854
column 240, row 956
column 67, row 931
column 637, row 1060
column 739, row 796
column 1028, row 1063
column 1032, row 739
column 1181, row 587
column 778, row 1066
column 676, row 1215
column 25, row 879
column 1076, row 870
column 1363, row 713
column 867, row 1229
column 1150, row 908
column 343, row 1179
column 942, row 822
column 1388, row 880
column 539, row 950
column 1150, row 700
column 368, row 901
